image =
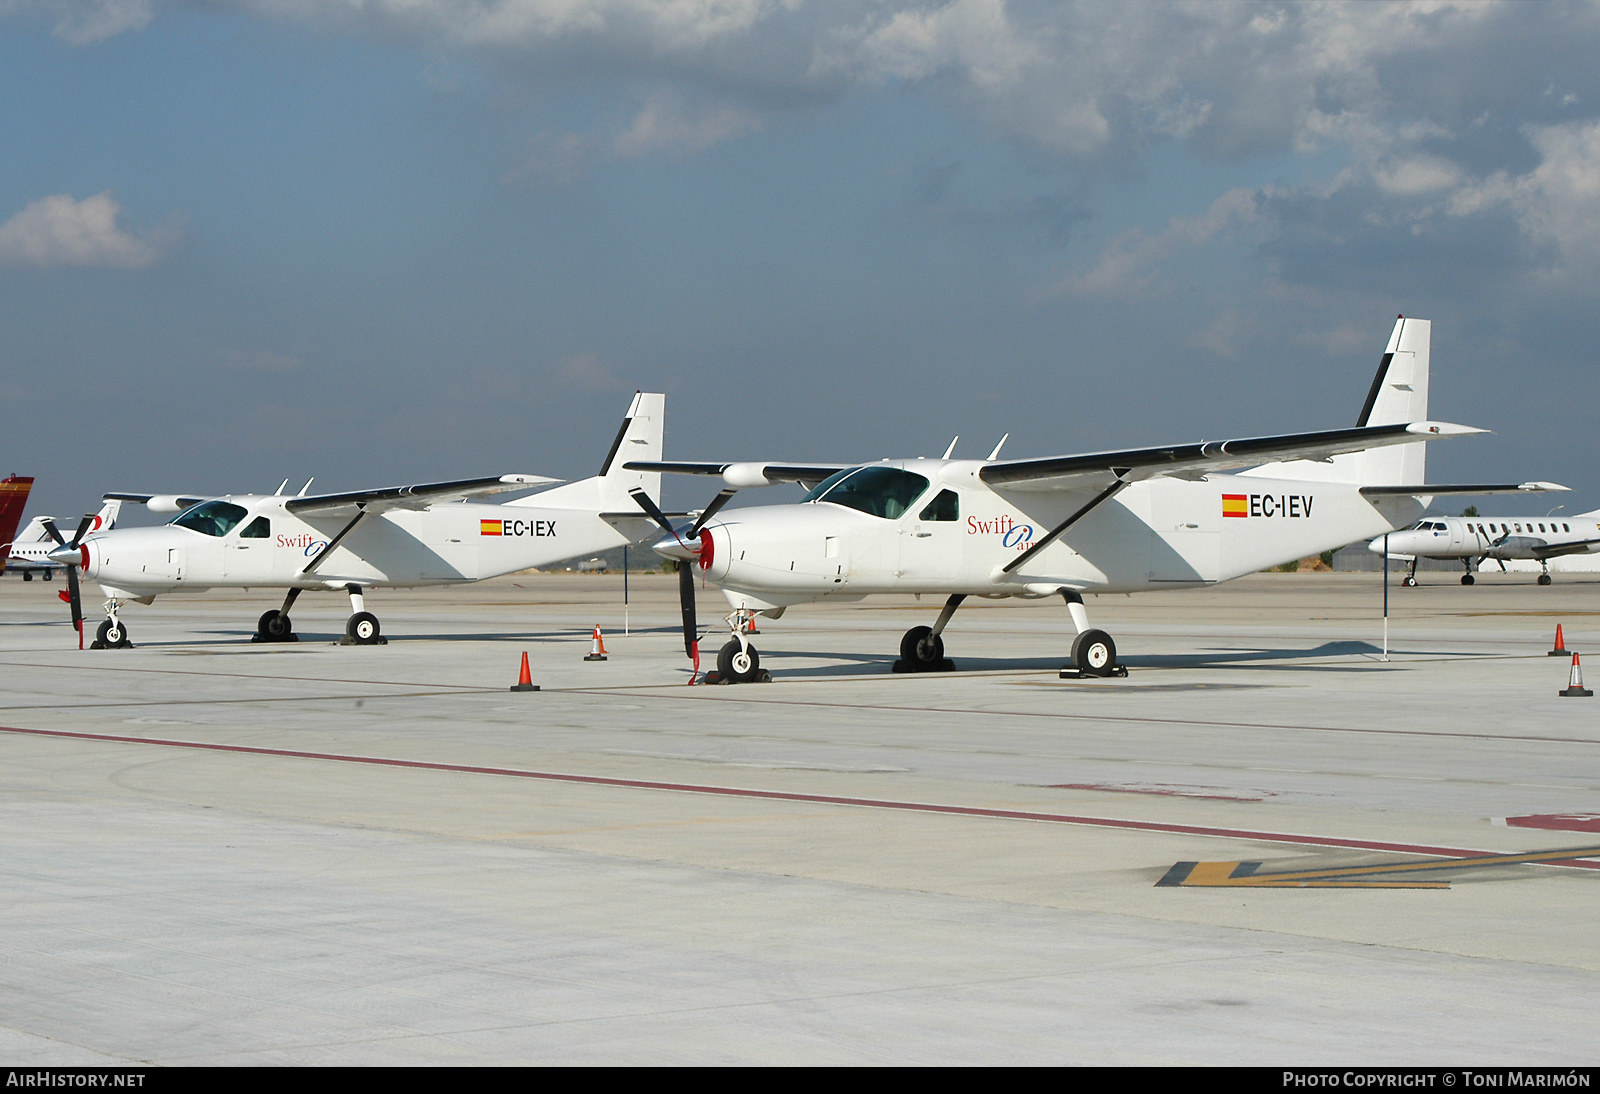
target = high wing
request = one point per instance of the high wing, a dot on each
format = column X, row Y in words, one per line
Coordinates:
column 748, row 474
column 158, row 503
column 1193, row 461
column 420, row 496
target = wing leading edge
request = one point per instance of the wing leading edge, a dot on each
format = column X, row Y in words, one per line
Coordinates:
column 419, row 496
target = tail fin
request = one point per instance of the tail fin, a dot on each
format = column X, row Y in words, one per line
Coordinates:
column 13, row 498
column 1399, row 393
column 106, row 519
column 638, row 439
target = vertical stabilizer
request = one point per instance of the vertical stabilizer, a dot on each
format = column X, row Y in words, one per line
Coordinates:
column 639, row 438
column 13, row 498
column 1399, row 394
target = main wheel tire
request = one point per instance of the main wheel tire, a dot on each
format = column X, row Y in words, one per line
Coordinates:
column 1094, row 653
column 26, row 576
column 363, row 628
column 1468, row 579
column 741, row 664
column 1544, row 579
column 48, row 576
column 921, row 648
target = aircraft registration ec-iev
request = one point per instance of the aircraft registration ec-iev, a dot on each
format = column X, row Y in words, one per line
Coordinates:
column 404, row 536
column 1166, row 517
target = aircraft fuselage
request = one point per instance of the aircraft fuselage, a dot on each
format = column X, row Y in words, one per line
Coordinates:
column 1156, row 533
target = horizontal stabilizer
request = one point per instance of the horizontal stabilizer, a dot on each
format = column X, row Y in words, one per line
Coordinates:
column 740, row 475
column 1465, row 488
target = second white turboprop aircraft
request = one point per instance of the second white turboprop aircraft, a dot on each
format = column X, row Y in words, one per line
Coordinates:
column 1174, row 516
column 405, row 536
column 1476, row 539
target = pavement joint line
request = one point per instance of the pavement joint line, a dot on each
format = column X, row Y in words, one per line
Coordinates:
column 790, row 796
column 1074, row 716
column 675, row 691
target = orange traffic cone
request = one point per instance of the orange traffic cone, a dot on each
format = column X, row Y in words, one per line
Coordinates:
column 1561, row 646
column 750, row 623
column 1575, row 681
column 525, row 680
column 597, row 648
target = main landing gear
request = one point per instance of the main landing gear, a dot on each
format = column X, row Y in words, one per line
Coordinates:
column 1093, row 651
column 361, row 629
column 1094, row 654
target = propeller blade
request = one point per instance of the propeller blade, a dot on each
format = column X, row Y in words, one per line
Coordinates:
column 76, row 601
column 650, row 508
column 711, row 510
column 54, row 533
column 83, row 529
column 686, row 599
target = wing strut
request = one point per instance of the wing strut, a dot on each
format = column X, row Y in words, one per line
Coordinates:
column 334, row 542
column 1050, row 537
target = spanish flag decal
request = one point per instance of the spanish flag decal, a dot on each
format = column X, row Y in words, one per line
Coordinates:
column 1233, row 505
column 491, row 527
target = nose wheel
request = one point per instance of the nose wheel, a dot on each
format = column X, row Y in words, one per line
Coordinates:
column 112, row 634
column 739, row 663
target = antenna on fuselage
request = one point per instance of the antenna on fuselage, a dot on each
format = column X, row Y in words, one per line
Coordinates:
column 306, row 487
column 995, row 455
column 952, row 447
column 282, row 486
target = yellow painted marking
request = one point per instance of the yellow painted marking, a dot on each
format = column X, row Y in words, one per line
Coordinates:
column 1218, row 874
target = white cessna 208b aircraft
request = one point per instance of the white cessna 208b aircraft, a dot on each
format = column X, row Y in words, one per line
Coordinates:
column 1174, row 516
column 404, row 536
column 1477, row 539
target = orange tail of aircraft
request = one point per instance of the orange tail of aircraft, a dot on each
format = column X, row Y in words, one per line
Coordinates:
column 13, row 497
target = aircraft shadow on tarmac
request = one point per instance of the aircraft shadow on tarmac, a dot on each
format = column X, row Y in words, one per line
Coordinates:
column 1261, row 657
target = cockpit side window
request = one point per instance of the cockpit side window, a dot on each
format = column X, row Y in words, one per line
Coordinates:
column 947, row 506
column 260, row 528
column 879, row 491
column 211, row 518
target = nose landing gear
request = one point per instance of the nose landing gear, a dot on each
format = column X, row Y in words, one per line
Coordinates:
column 112, row 634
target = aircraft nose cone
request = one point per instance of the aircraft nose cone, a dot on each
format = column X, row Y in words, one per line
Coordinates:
column 1376, row 546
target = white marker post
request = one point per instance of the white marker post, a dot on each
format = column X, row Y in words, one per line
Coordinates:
column 1386, row 596
column 624, row 589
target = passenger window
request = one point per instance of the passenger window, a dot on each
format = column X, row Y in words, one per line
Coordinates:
column 1565, row 527
column 1541, row 526
column 260, row 528
column 947, row 506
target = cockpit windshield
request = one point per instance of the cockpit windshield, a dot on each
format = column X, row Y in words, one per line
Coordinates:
column 880, row 491
column 211, row 518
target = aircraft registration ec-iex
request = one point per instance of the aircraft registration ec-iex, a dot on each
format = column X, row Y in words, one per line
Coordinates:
column 403, row 536
column 1166, row 517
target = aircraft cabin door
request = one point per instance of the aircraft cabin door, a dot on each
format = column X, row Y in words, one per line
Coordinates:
column 1186, row 522
column 931, row 543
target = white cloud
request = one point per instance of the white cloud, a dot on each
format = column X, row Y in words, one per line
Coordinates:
column 59, row 231
column 1131, row 262
column 1555, row 203
column 666, row 124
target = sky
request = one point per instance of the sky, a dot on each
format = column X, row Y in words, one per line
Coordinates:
column 389, row 241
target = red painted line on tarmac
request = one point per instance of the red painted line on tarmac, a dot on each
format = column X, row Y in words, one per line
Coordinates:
column 790, row 796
